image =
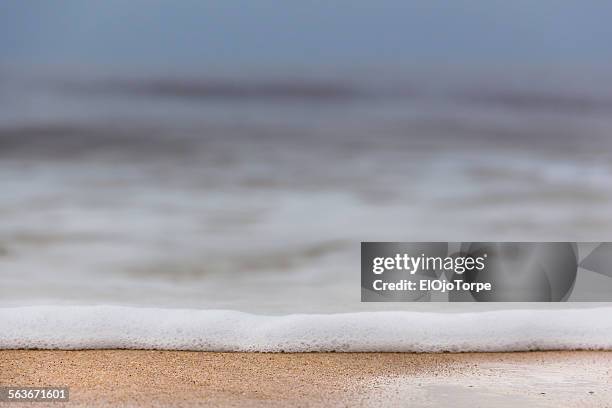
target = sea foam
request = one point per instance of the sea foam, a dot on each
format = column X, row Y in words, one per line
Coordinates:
column 104, row 327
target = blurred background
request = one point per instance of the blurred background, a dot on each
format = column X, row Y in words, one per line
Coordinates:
column 232, row 155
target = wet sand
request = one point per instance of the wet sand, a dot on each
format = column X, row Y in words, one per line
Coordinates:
column 175, row 378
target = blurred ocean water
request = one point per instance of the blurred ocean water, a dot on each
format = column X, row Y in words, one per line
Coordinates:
column 253, row 193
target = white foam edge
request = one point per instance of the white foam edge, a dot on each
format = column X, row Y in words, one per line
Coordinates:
column 117, row 327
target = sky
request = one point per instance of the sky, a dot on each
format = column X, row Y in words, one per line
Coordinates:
column 304, row 32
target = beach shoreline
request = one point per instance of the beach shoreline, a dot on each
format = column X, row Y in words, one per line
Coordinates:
column 182, row 378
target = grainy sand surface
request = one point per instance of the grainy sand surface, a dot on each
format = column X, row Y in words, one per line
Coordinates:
column 175, row 378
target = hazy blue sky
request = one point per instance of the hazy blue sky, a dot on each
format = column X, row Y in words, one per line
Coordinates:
column 288, row 32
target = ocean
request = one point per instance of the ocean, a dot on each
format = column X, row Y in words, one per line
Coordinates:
column 188, row 210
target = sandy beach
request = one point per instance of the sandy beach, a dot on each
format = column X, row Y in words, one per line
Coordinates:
column 173, row 378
